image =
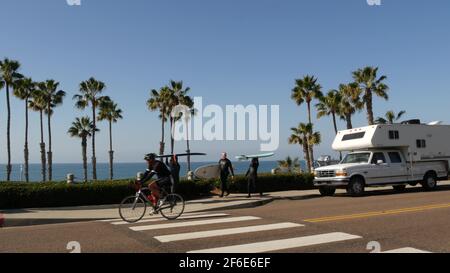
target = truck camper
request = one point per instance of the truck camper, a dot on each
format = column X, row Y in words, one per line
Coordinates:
column 388, row 154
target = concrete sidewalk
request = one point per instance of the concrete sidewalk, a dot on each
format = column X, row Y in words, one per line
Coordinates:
column 36, row 216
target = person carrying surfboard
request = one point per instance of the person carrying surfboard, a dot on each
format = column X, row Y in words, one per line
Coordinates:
column 225, row 169
column 252, row 176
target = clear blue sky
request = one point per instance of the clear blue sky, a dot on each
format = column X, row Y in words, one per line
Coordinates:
column 229, row 52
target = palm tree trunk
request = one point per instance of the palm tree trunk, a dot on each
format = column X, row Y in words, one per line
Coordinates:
column 42, row 144
column 172, row 142
column 27, row 178
column 188, row 150
column 306, row 155
column 94, row 160
column 111, row 153
column 336, row 131
column 369, row 106
column 84, row 155
column 309, row 112
column 8, row 136
column 348, row 118
column 49, row 153
column 161, row 144
column 311, row 156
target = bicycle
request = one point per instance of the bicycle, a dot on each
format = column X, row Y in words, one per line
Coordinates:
column 133, row 208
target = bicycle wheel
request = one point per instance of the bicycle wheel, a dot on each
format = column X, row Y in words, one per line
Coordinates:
column 132, row 209
column 172, row 206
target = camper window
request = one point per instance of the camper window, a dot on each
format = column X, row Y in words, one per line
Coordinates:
column 395, row 157
column 421, row 143
column 394, row 135
column 378, row 156
column 353, row 136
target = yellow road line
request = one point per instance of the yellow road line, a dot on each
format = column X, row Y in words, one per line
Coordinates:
column 376, row 213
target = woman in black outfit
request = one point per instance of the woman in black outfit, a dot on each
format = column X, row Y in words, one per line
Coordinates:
column 252, row 176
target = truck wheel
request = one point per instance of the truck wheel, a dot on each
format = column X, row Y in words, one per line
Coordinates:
column 429, row 182
column 399, row 188
column 327, row 191
column 356, row 186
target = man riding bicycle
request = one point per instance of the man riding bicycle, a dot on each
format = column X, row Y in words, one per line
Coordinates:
column 158, row 168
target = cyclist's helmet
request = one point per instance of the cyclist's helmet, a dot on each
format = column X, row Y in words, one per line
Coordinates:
column 150, row 156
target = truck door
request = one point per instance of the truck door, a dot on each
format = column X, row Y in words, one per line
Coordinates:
column 397, row 167
column 378, row 173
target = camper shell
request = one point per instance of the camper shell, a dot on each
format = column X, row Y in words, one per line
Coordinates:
column 388, row 154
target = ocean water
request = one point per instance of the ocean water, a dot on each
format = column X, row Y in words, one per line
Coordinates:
column 121, row 170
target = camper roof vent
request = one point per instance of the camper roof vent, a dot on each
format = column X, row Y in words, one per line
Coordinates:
column 435, row 123
column 411, row 121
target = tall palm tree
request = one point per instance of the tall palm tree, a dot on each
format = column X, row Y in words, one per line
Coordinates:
column 390, row 117
column 159, row 101
column 82, row 128
column 9, row 76
column 90, row 95
column 290, row 164
column 109, row 111
column 300, row 136
column 37, row 104
column 305, row 90
column 24, row 91
column 368, row 81
column 178, row 96
column 350, row 102
column 52, row 97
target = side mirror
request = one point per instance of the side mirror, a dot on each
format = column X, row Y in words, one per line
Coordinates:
column 379, row 162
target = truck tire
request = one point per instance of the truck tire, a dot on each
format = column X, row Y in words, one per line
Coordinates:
column 399, row 188
column 356, row 186
column 327, row 191
column 429, row 181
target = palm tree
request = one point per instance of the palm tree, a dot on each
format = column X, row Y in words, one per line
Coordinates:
column 52, row 97
column 82, row 128
column 109, row 111
column 9, row 77
column 37, row 104
column 159, row 101
column 300, row 136
column 90, row 91
column 390, row 117
column 290, row 164
column 306, row 90
column 350, row 102
column 368, row 81
column 329, row 105
column 177, row 96
column 24, row 91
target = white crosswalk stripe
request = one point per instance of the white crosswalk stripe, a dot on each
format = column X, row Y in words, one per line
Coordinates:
column 223, row 232
column 195, row 223
column 179, row 218
column 406, row 250
column 282, row 244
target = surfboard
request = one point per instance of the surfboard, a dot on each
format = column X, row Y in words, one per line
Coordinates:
column 208, row 172
column 247, row 157
column 178, row 155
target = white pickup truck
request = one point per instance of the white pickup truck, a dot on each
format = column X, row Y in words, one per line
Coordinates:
column 379, row 167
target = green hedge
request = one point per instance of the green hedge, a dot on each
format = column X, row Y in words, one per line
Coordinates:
column 14, row 195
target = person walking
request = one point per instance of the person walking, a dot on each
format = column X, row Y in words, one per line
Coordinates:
column 252, row 177
column 174, row 168
column 225, row 169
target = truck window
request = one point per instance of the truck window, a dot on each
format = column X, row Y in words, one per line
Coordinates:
column 353, row 136
column 395, row 157
column 378, row 156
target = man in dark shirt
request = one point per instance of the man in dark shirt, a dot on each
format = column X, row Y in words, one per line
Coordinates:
column 225, row 169
column 252, row 176
column 158, row 168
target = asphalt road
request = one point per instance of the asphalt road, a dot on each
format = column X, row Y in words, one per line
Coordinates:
column 379, row 221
